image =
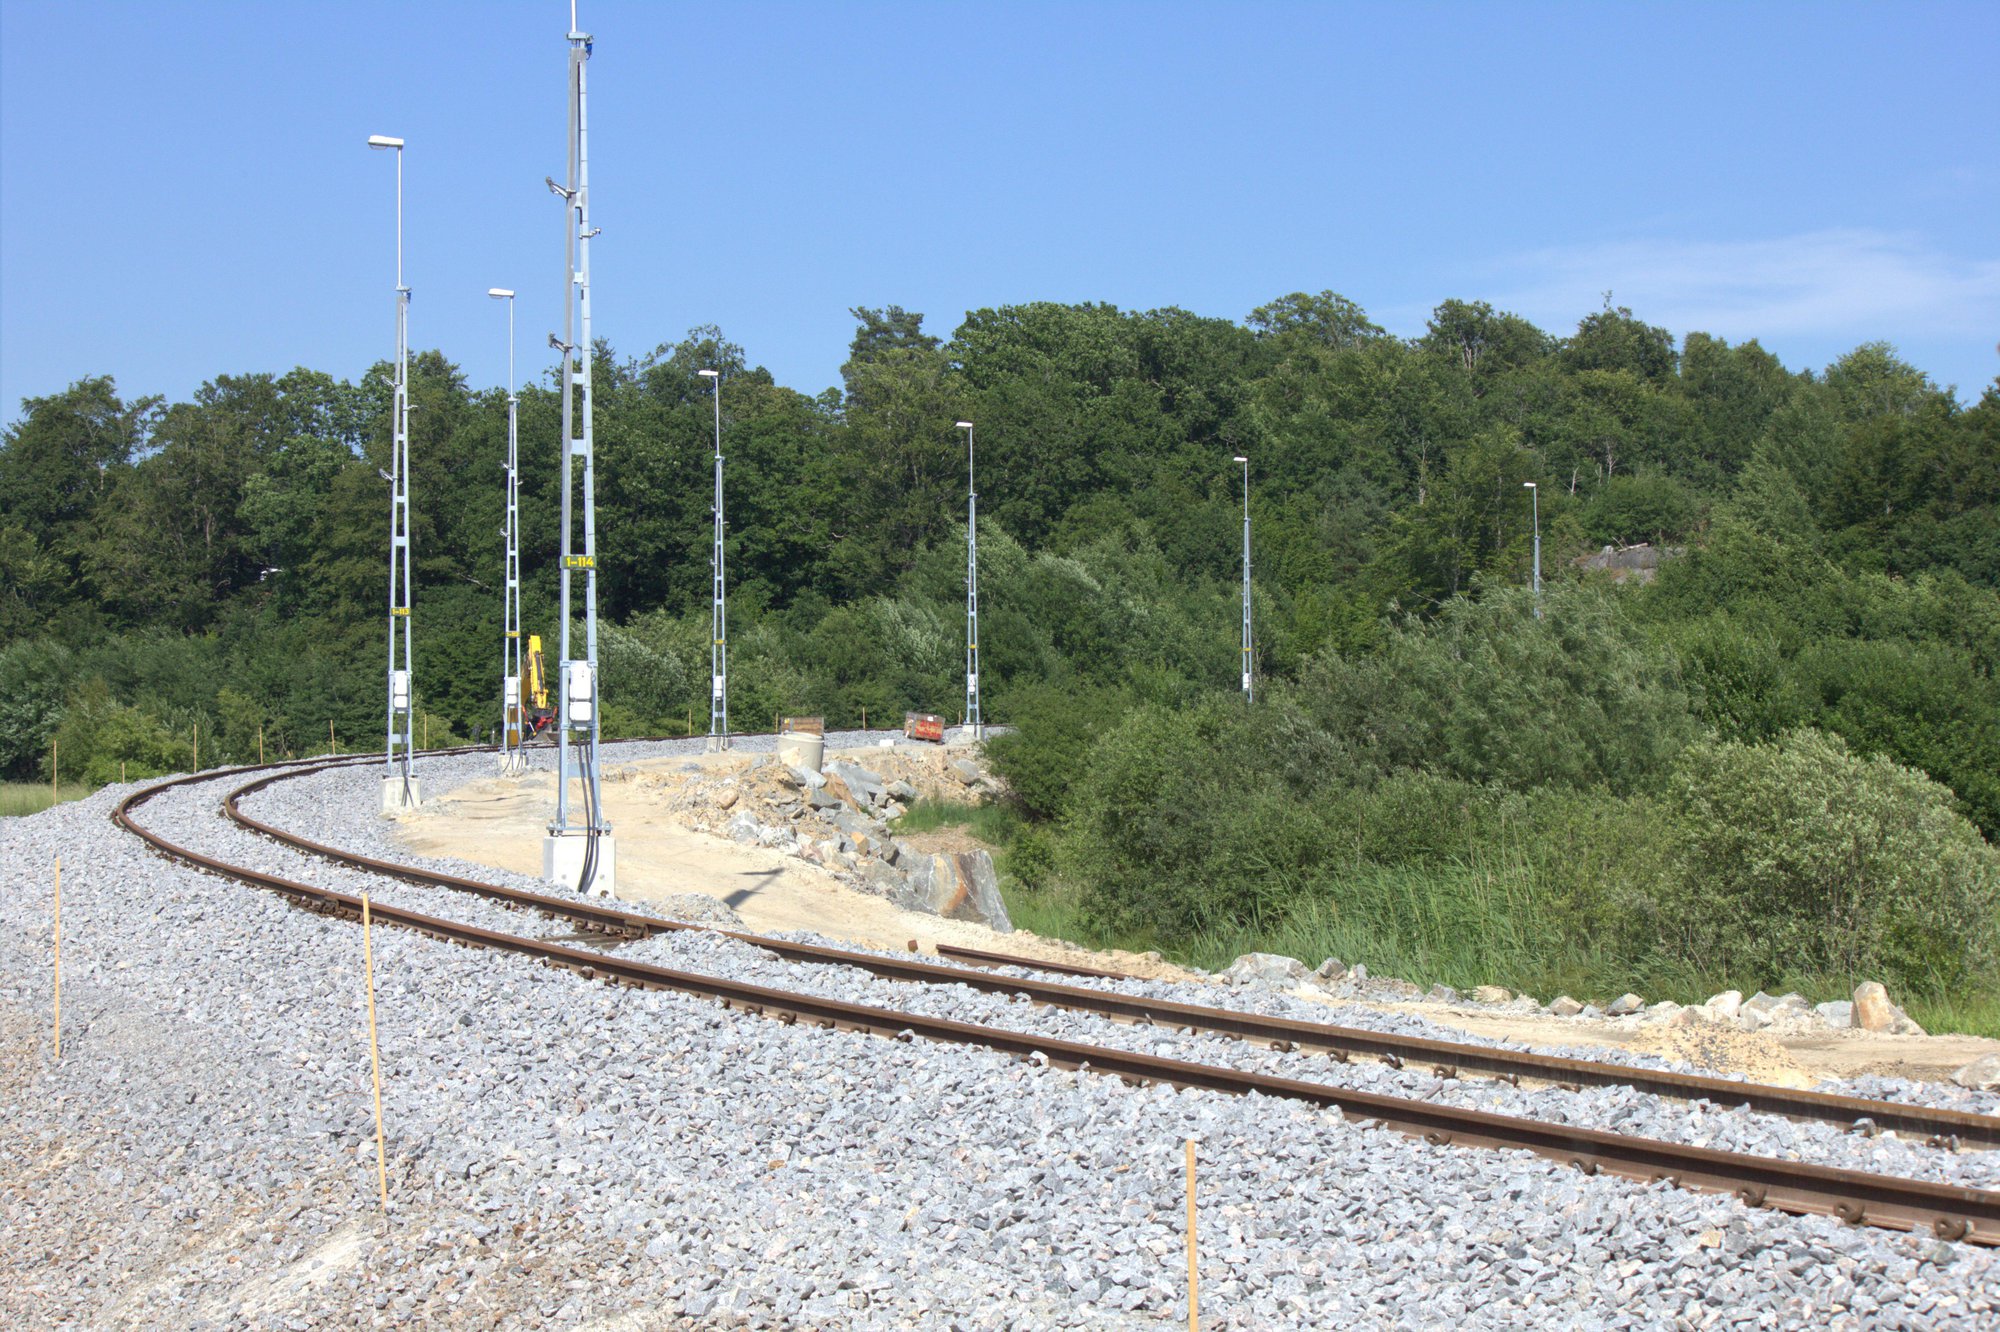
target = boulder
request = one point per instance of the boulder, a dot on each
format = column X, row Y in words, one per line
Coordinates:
column 1492, row 994
column 1268, row 969
column 823, row 799
column 1872, row 1009
column 1442, row 994
column 865, row 785
column 1723, row 1007
column 1836, row 1013
column 804, row 777
column 1664, row 1011
column 1982, row 1074
column 903, row 791
column 968, row 774
column 957, row 885
column 726, row 798
column 1332, row 969
column 1761, row 1003
column 883, row 880
column 1564, row 1006
column 1625, row 1005
column 1358, row 972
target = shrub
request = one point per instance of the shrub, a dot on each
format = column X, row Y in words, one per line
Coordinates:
column 1798, row 856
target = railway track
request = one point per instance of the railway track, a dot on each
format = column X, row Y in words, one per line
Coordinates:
column 1941, row 1128
column 1949, row 1211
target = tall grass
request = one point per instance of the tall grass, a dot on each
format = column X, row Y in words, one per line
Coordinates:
column 34, row 797
column 995, row 825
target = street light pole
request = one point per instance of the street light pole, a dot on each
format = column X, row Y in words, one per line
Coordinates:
column 718, row 652
column 512, row 752
column 972, row 718
column 399, row 787
column 1249, row 691
column 1535, row 503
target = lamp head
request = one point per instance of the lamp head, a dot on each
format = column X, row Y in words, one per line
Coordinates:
column 709, row 374
column 1240, row 458
column 500, row 293
column 383, row 141
column 963, row 425
column 1527, row 485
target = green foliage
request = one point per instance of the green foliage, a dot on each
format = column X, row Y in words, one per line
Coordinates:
column 1797, row 855
column 1432, row 773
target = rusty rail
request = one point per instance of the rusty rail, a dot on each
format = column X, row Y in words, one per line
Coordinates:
column 1949, row 1211
column 1939, row 1127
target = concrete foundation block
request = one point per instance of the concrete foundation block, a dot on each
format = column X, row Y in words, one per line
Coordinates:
column 395, row 798
column 563, row 857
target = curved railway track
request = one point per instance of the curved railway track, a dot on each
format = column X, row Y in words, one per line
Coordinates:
column 1948, row 1211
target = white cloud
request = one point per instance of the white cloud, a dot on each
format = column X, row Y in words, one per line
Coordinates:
column 1852, row 285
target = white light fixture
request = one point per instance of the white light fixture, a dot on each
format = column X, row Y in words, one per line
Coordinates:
column 964, row 425
column 383, row 141
column 500, row 293
column 708, row 374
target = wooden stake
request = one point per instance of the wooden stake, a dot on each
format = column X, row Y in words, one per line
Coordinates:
column 260, row 742
column 1194, row 1279
column 333, row 746
column 121, row 770
column 55, row 792
column 864, row 718
column 427, row 730
column 375, row 1057
column 197, row 746
column 59, row 957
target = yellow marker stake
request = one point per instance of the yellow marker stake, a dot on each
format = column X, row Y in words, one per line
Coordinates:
column 332, row 747
column 375, row 1056
column 1194, row 1297
column 197, row 746
column 260, row 742
column 59, row 957
column 55, row 793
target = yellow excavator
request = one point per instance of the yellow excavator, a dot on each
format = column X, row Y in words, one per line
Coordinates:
column 535, row 713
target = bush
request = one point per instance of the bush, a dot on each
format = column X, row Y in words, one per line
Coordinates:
column 37, row 675
column 1798, row 856
column 100, row 738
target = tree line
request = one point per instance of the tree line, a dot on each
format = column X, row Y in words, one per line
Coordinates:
column 1834, row 544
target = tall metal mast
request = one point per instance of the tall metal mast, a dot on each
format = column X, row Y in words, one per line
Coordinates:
column 512, row 756
column 972, row 720
column 577, row 721
column 718, row 653
column 398, row 779
column 1249, row 688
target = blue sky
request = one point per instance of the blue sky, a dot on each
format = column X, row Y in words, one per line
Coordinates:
column 185, row 190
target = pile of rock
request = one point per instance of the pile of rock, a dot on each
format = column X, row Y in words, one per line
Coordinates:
column 838, row 819
column 1782, row 1015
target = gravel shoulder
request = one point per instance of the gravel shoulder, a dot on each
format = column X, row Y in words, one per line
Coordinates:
column 565, row 1154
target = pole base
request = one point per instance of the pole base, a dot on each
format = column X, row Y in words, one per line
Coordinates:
column 563, row 856
column 395, row 799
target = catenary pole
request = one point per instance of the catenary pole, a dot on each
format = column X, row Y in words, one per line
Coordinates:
column 1249, row 658
column 972, row 718
column 718, row 652
column 511, row 739
column 578, row 720
column 401, row 678
column 1535, row 504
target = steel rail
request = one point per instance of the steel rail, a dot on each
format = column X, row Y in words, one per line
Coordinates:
column 1946, row 1210
column 1942, row 1128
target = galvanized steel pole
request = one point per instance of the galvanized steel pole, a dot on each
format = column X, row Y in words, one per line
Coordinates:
column 972, row 718
column 718, row 653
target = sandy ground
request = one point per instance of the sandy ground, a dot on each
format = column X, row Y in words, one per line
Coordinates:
column 500, row 821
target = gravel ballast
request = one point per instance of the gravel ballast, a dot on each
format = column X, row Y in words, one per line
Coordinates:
column 563, row 1152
